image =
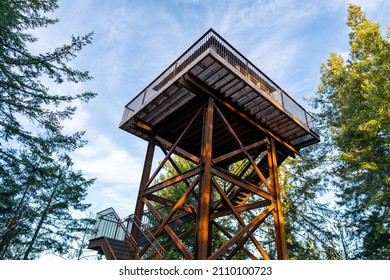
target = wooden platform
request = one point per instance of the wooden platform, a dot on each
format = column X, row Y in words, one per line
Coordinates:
column 212, row 67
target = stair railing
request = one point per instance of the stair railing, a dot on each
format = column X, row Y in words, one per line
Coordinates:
column 108, row 224
column 153, row 246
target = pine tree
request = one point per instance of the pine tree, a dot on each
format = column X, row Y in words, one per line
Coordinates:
column 38, row 183
column 307, row 219
column 354, row 102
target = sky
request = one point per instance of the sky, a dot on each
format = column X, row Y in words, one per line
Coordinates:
column 134, row 41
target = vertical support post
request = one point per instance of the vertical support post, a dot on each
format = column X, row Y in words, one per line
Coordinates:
column 203, row 225
column 139, row 207
column 277, row 213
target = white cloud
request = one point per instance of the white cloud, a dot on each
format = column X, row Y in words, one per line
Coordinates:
column 117, row 171
column 102, row 158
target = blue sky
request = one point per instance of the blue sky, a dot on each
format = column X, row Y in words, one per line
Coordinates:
column 136, row 40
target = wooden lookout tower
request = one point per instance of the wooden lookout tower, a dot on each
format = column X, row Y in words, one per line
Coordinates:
column 215, row 110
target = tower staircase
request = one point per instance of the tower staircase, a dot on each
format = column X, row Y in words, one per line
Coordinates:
column 112, row 238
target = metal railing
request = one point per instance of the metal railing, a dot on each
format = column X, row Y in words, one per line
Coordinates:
column 108, row 224
column 152, row 248
column 213, row 40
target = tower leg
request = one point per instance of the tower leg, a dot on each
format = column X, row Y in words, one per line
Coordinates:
column 203, row 225
column 138, row 213
column 277, row 213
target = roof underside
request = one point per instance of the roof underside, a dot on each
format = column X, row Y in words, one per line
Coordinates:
column 167, row 104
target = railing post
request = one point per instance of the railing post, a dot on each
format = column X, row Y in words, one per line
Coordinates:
column 307, row 122
column 282, row 98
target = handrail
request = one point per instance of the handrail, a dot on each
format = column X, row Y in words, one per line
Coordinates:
column 159, row 249
column 110, row 225
column 233, row 57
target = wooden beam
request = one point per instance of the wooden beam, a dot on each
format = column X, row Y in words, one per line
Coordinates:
column 228, row 235
column 172, row 149
column 176, row 207
column 192, row 83
column 184, row 154
column 242, row 208
column 258, row 219
column 179, row 172
column 137, row 123
column 278, row 215
column 203, row 228
column 173, row 180
column 242, row 183
column 170, row 203
column 243, row 240
column 238, row 141
column 138, row 213
column 179, row 244
column 181, row 236
column 239, row 151
column 237, row 215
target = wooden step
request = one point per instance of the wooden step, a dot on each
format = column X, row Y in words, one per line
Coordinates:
column 112, row 249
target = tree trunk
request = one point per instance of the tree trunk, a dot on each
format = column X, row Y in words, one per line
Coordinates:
column 40, row 224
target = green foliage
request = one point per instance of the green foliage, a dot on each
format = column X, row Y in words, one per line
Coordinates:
column 306, row 219
column 354, row 103
column 38, row 183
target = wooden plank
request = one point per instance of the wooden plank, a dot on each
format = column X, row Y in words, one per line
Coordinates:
column 251, row 107
column 221, row 74
column 247, row 99
column 209, row 71
column 224, row 81
column 267, row 115
column 278, row 121
column 165, row 105
column 229, row 85
column 240, row 94
column 234, row 89
column 293, row 131
column 173, row 107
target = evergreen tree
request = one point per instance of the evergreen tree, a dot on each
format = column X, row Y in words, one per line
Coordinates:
column 307, row 220
column 354, row 103
column 38, row 183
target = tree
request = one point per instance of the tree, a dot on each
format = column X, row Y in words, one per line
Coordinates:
column 307, row 220
column 38, row 183
column 354, row 103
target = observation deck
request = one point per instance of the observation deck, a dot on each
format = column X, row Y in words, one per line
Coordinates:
column 213, row 67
